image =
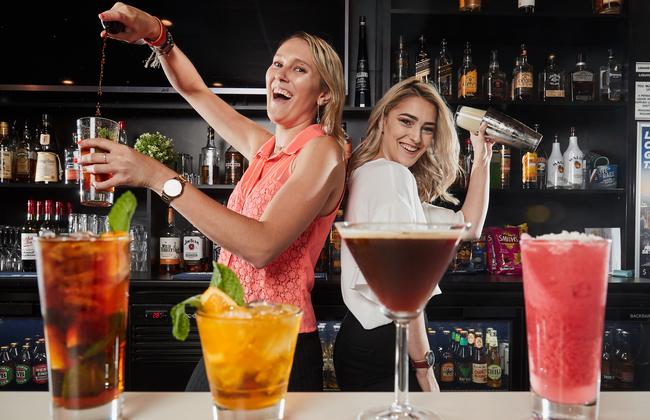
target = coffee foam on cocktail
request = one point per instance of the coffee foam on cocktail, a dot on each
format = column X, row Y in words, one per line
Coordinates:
column 565, row 236
column 352, row 233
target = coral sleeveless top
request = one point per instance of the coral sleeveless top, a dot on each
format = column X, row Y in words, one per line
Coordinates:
column 290, row 277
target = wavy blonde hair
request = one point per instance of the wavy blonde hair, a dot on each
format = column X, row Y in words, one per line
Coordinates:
column 438, row 167
column 329, row 67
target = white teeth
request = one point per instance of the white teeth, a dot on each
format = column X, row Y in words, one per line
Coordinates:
column 280, row 91
column 408, row 147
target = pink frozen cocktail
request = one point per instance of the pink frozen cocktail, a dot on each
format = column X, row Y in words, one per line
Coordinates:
column 565, row 286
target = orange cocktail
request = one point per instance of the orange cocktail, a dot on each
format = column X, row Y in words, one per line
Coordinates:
column 248, row 353
column 84, row 286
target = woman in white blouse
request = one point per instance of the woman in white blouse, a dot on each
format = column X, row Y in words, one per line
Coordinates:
column 409, row 158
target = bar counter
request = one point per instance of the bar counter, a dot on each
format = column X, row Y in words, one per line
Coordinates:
column 336, row 405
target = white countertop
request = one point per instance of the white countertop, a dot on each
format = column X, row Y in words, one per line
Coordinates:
column 334, row 405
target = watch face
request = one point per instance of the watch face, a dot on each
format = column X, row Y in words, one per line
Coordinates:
column 172, row 187
column 431, row 358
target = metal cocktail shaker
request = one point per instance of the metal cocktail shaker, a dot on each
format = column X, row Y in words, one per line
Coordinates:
column 501, row 128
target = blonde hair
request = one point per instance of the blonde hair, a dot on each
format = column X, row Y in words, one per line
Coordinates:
column 438, row 167
column 329, row 67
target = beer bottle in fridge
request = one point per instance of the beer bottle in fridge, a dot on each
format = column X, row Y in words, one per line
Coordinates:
column 493, row 362
column 479, row 362
column 625, row 364
column 39, row 365
column 447, row 365
column 24, row 367
column 463, row 362
column 7, row 369
column 608, row 379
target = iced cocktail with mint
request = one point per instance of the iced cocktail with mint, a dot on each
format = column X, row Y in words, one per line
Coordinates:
column 84, row 286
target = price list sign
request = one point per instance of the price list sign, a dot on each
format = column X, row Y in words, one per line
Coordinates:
column 643, row 201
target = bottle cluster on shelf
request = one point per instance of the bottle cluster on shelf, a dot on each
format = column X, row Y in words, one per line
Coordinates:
column 23, row 367
column 327, row 331
column 466, row 359
column 619, row 360
column 493, row 85
column 572, row 169
column 601, row 7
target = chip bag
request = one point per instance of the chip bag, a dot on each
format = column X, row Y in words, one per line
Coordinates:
column 503, row 251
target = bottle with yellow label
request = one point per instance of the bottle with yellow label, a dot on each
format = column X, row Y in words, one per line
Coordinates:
column 529, row 171
column 467, row 76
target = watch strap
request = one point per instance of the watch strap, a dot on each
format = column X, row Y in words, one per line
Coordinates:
column 424, row 363
column 168, row 199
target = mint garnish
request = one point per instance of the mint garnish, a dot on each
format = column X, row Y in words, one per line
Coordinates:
column 227, row 281
column 119, row 218
column 180, row 321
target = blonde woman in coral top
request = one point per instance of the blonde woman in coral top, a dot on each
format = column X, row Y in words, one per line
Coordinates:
column 280, row 213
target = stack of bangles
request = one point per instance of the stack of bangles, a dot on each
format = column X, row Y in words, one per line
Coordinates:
column 164, row 43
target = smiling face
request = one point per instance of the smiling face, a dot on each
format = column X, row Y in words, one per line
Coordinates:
column 408, row 131
column 293, row 85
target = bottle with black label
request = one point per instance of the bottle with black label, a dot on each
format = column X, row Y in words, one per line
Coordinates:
column 400, row 62
column 582, row 81
column 39, row 365
column 362, row 80
column 195, row 250
column 552, row 81
column 234, row 166
column 494, row 80
column 444, row 72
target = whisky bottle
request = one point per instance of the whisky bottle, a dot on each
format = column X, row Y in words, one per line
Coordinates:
column 24, row 166
column 28, row 234
column 582, row 81
column 209, row 160
column 362, row 82
column 494, row 81
column 444, row 72
column 423, row 62
column 47, row 158
column 400, row 62
column 71, row 161
column 526, row 6
column 552, row 81
column 6, row 154
column 611, row 80
column 234, row 166
column 467, row 76
column 523, row 77
column 469, row 5
column 195, row 255
column 170, row 247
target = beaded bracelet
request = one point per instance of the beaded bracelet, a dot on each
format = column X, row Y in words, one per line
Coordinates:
column 163, row 48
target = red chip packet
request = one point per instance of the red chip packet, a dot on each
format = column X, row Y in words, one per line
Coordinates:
column 503, row 251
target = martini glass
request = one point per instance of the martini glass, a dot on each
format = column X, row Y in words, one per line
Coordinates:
column 402, row 264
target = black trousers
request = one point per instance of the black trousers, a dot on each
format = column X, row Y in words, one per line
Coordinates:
column 364, row 360
column 306, row 371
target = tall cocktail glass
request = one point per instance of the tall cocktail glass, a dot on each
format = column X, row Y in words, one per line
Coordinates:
column 402, row 264
column 248, row 353
column 83, row 284
column 89, row 128
column 565, row 286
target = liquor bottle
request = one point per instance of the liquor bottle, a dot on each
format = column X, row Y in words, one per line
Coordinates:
column 494, row 371
column 608, row 7
column 209, row 160
column 59, row 217
column 573, row 158
column 505, row 167
column 494, row 81
column 362, row 91
column 529, row 171
column 495, row 167
column 195, row 253
column 71, row 162
column 7, row 369
column 40, row 205
column 170, row 247
column 24, row 166
column 469, row 5
column 463, row 362
column 555, row 177
column 552, row 81
column 49, row 225
column 467, row 76
column 347, row 147
column 6, row 154
column 24, row 366
column 400, row 62
column 522, row 77
column 28, row 234
column 122, row 138
column 582, row 81
column 39, row 365
column 423, row 63
column 526, row 6
column 447, row 363
column 479, row 362
column 611, row 80
column 444, row 72
column 234, row 166
column 625, row 364
column 607, row 377
column 47, row 159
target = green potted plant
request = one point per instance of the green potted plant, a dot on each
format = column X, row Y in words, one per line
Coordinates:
column 157, row 146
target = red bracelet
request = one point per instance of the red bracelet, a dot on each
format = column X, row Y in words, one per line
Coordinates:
column 161, row 38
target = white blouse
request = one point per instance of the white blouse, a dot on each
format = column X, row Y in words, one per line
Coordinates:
column 382, row 191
